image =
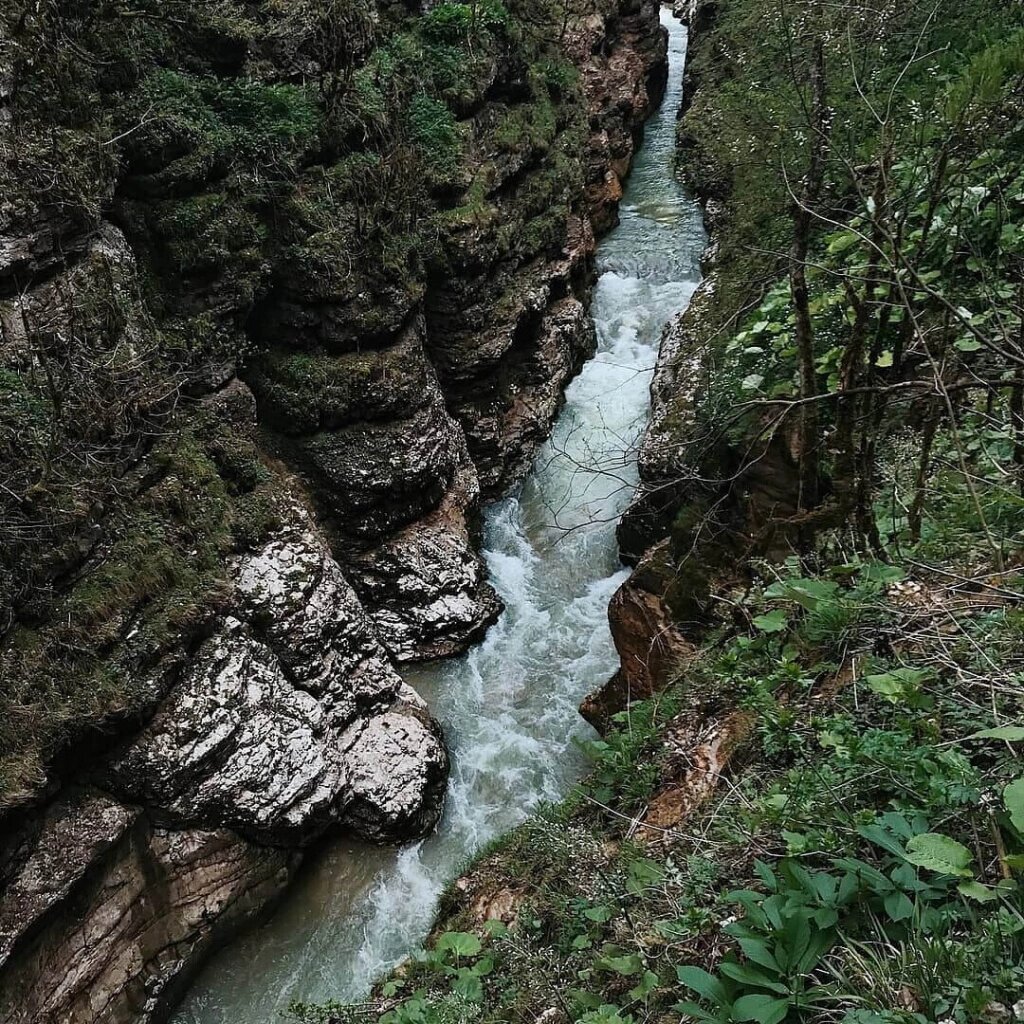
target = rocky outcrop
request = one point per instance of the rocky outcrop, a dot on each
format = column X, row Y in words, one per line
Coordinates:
column 104, row 914
column 288, row 714
column 668, row 469
column 653, row 651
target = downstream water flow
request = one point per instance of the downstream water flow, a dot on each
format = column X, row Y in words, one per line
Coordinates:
column 509, row 706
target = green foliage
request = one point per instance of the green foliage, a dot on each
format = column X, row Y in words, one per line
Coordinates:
column 234, row 119
column 459, row 22
column 433, row 128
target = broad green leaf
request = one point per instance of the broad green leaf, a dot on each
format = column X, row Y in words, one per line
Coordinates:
column 751, row 976
column 1010, row 733
column 468, row 985
column 629, row 964
column 843, row 240
column 883, row 838
column 648, row 983
column 695, row 1011
column 880, row 572
column 898, row 906
column 459, row 943
column 974, row 890
column 967, row 344
column 937, row 852
column 758, row 951
column 1013, row 798
column 761, row 1008
column 703, row 983
column 772, row 622
column 808, row 593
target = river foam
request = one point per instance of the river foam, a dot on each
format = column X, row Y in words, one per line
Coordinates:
column 509, row 707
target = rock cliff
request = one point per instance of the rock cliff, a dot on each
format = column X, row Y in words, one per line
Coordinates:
column 282, row 294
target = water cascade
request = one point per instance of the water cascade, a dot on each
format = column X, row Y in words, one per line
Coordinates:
column 508, row 707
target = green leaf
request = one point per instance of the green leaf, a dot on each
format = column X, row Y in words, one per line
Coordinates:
column 468, row 985
column 884, row 360
column 898, row 906
column 880, row 572
column 974, row 890
column 883, row 838
column 761, row 1008
column 843, row 240
column 459, row 943
column 1013, row 799
column 751, row 976
column 939, row 853
column 599, row 914
column 648, row 983
column 808, row 593
column 689, row 1009
column 758, row 951
column 967, row 344
column 629, row 964
column 703, row 983
column 1010, row 733
column 772, row 622
column 496, row 928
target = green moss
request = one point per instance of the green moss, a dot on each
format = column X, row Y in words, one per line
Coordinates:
column 151, row 585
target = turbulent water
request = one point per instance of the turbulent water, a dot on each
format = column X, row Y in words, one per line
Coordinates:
column 509, row 707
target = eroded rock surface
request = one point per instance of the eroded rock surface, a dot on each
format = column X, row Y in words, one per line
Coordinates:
column 271, row 729
column 106, row 914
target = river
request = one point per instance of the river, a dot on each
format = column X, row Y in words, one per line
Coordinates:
column 509, row 706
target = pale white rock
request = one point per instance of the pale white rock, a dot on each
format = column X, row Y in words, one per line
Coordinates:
column 288, row 714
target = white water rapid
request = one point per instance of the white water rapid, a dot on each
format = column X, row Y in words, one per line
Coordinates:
column 508, row 707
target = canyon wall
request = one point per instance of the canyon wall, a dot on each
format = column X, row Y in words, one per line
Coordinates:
column 283, row 294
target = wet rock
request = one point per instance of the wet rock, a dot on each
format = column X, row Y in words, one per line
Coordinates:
column 624, row 80
column 651, row 648
column 376, row 477
column 40, row 864
column 114, row 912
column 265, row 732
column 391, row 469
column 398, row 769
column 669, row 473
column 425, row 587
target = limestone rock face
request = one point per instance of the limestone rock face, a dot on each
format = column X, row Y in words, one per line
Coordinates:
column 104, row 913
column 390, row 467
column 667, row 475
column 398, row 769
column 268, row 732
column 425, row 585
